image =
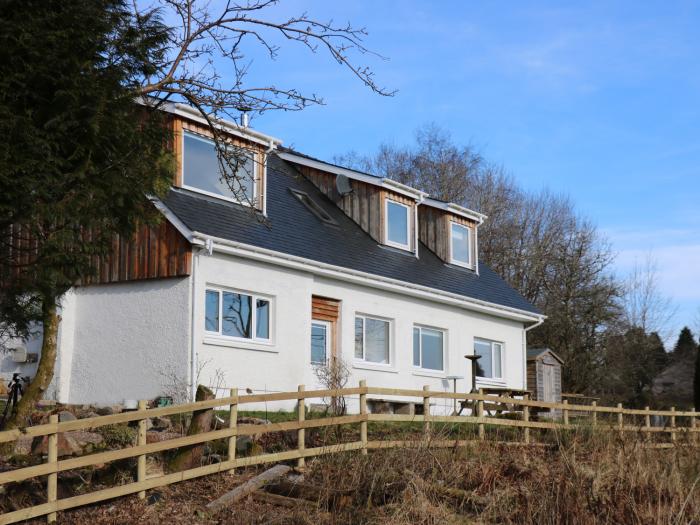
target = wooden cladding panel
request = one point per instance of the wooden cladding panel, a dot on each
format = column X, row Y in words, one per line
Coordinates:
column 434, row 230
column 365, row 205
column 324, row 309
column 180, row 125
column 154, row 252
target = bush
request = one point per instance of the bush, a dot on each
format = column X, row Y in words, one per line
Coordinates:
column 117, row 436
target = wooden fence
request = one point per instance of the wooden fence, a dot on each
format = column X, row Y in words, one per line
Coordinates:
column 599, row 417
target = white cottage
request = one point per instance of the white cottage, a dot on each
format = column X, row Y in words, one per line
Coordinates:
column 318, row 261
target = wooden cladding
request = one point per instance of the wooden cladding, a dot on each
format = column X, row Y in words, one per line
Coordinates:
column 180, row 125
column 434, row 230
column 324, row 309
column 154, row 252
column 365, row 205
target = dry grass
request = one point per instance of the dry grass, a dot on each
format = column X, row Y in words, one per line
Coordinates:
column 579, row 478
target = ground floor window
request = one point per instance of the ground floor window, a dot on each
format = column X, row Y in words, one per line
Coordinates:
column 428, row 348
column 238, row 315
column 490, row 366
column 372, row 339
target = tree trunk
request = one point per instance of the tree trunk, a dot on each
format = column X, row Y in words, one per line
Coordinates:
column 45, row 369
column 191, row 456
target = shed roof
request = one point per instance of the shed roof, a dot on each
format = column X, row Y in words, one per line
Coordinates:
column 535, row 353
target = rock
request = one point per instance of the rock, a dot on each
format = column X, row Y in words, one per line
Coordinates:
column 69, row 443
column 246, row 446
column 252, row 421
column 160, row 423
column 23, row 445
column 107, row 411
column 153, row 436
column 65, row 415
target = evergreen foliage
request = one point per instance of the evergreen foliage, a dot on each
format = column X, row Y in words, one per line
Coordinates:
column 78, row 156
column 696, row 380
column 685, row 345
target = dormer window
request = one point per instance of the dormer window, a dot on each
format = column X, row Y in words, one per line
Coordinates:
column 397, row 227
column 460, row 245
column 201, row 171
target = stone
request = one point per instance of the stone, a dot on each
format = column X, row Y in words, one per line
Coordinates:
column 23, row 445
column 65, row 415
column 106, row 411
column 69, row 443
column 160, row 423
column 252, row 421
column 153, row 436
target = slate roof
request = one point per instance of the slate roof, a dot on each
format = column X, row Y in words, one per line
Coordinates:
column 294, row 230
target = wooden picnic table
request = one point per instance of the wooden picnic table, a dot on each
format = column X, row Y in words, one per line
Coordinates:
column 496, row 408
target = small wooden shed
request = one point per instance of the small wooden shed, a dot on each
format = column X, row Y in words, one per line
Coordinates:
column 544, row 374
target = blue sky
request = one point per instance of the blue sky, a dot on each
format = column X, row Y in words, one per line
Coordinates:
column 600, row 100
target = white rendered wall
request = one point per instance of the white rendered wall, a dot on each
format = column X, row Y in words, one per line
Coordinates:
column 125, row 341
column 285, row 363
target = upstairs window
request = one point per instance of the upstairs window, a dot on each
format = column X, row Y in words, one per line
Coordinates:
column 490, row 366
column 237, row 315
column 201, row 170
column 460, row 245
column 397, row 224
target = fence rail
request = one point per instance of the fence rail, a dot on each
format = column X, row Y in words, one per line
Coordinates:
column 476, row 403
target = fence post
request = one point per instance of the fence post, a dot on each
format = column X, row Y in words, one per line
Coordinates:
column 363, row 412
column 566, row 412
column 52, row 481
column 526, row 418
column 594, row 404
column 143, row 427
column 620, row 420
column 673, row 424
column 232, row 424
column 693, row 436
column 426, row 411
column 301, row 433
column 647, row 423
column 480, row 414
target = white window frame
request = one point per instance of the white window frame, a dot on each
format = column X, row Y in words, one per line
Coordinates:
column 470, row 242
column 389, row 242
column 420, row 350
column 327, row 326
column 253, row 315
column 362, row 359
column 503, row 359
column 209, row 193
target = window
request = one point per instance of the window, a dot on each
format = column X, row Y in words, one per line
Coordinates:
column 320, row 341
column 313, row 206
column 237, row 315
column 372, row 340
column 490, row 365
column 397, row 224
column 201, row 170
column 460, row 244
column 428, row 348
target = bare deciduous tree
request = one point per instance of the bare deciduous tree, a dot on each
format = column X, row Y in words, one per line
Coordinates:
column 209, row 57
column 535, row 241
column 644, row 305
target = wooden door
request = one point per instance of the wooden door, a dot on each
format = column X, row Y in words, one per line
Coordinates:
column 548, row 378
column 328, row 311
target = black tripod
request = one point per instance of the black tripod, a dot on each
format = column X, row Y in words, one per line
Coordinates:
column 15, row 392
